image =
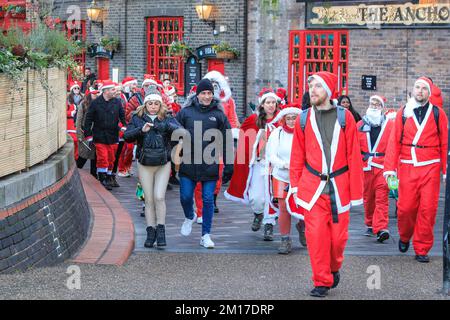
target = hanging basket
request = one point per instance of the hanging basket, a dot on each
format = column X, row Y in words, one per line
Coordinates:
column 226, row 55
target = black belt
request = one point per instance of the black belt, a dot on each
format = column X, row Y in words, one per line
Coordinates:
column 327, row 177
column 419, row 146
column 367, row 155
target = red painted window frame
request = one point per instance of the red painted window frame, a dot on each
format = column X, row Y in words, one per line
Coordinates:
column 300, row 65
column 157, row 56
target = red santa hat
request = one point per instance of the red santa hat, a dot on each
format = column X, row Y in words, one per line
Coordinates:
column 151, row 80
column 292, row 108
column 91, row 91
column 170, row 91
column 128, row 81
column 436, row 97
column 379, row 98
column 74, row 84
column 427, row 82
column 281, row 93
column 329, row 82
column 266, row 93
column 193, row 90
column 108, row 84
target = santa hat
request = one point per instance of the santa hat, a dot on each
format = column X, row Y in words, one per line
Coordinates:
column 193, row 90
column 153, row 97
column 170, row 91
column 216, row 76
column 288, row 109
column 436, row 97
column 108, row 84
column 379, row 98
column 281, row 93
column 391, row 114
column 151, row 80
column 74, row 84
column 128, row 81
column 266, row 93
column 329, row 82
column 427, row 82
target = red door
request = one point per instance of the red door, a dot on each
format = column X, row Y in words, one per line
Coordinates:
column 311, row 51
column 102, row 68
column 216, row 65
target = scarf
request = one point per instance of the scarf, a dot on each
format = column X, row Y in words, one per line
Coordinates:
column 288, row 129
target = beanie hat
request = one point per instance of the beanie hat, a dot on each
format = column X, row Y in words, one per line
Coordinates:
column 329, row 82
column 266, row 93
column 379, row 98
column 425, row 81
column 153, row 95
column 204, row 85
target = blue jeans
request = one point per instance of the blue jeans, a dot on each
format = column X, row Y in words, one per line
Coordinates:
column 187, row 187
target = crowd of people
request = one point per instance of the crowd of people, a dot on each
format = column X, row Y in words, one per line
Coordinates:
column 312, row 162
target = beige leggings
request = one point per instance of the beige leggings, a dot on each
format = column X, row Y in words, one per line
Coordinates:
column 154, row 180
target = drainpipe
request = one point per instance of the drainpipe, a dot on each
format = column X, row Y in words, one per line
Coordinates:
column 245, row 56
column 126, row 39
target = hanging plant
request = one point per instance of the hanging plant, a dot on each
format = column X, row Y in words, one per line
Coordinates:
column 110, row 43
column 225, row 51
column 179, row 49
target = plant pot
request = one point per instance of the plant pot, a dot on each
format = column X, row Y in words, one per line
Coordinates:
column 18, row 15
column 226, row 55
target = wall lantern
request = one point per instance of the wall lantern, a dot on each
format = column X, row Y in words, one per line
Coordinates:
column 204, row 10
column 95, row 14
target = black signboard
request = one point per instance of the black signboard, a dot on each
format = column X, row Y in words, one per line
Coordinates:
column 206, row 52
column 97, row 51
column 369, row 82
column 192, row 74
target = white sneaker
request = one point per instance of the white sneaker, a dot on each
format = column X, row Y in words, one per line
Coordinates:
column 199, row 220
column 123, row 174
column 206, row 242
column 186, row 228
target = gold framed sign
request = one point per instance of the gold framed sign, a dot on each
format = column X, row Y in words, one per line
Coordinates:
column 335, row 14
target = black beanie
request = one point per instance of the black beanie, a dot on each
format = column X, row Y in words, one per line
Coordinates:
column 204, row 85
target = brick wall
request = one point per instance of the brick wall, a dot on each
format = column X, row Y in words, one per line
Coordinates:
column 46, row 228
column 128, row 17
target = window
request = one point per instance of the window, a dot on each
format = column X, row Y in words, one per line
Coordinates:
column 161, row 32
column 314, row 51
column 77, row 32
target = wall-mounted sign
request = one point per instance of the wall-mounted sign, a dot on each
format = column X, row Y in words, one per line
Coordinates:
column 192, row 73
column 337, row 14
column 369, row 82
column 96, row 51
column 206, row 52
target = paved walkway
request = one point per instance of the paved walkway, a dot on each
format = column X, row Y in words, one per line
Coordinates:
column 231, row 228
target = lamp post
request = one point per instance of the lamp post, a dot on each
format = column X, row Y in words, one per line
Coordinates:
column 95, row 14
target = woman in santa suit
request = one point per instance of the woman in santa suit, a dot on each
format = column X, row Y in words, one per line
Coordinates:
column 250, row 177
column 278, row 154
column 373, row 131
column 73, row 100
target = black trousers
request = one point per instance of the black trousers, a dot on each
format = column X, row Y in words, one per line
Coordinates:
column 82, row 161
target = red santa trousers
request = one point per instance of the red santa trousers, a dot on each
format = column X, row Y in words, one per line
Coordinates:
column 106, row 154
column 126, row 157
column 376, row 200
column 75, row 144
column 325, row 240
column 198, row 192
column 418, row 197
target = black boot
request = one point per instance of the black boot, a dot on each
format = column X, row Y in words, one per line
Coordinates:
column 268, row 232
column 320, row 292
column 103, row 178
column 160, row 235
column 151, row 237
column 336, row 279
column 256, row 225
column 216, row 209
column 113, row 181
column 403, row 246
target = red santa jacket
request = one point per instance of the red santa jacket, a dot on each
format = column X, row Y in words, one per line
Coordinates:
column 380, row 146
column 307, row 147
column 432, row 143
column 229, row 108
column 71, row 109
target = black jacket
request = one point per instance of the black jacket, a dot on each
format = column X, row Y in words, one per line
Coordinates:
column 156, row 142
column 211, row 117
column 102, row 120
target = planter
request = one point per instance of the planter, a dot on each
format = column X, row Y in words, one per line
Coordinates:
column 97, row 51
column 226, row 55
column 18, row 15
column 32, row 119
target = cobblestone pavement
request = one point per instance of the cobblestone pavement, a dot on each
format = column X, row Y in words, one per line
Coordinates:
column 232, row 234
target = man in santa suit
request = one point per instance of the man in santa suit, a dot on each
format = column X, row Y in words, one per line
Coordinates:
column 417, row 153
column 374, row 131
column 326, row 178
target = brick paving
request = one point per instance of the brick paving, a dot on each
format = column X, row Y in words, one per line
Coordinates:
column 231, row 228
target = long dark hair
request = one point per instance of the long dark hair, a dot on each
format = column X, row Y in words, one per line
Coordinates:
column 262, row 115
column 355, row 114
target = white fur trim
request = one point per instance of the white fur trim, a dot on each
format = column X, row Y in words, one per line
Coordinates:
column 389, row 173
column 153, row 97
column 357, row 202
column 267, row 95
column 292, row 213
column 235, row 133
column 322, row 82
column 216, row 76
column 129, row 83
column 108, row 87
column 425, row 83
column 233, row 198
column 74, row 86
column 285, row 112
